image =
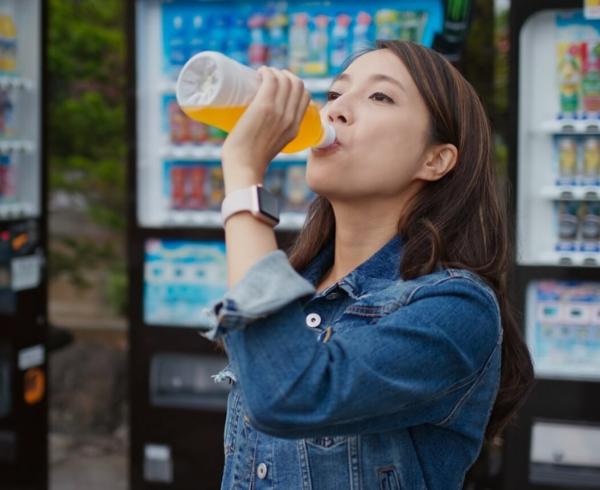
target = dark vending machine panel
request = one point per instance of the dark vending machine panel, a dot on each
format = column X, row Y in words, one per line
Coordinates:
column 5, row 380
column 23, row 325
column 23, row 375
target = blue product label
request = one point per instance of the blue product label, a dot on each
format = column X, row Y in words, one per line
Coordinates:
column 563, row 328
column 340, row 40
column 199, row 34
column 180, row 279
column 178, row 49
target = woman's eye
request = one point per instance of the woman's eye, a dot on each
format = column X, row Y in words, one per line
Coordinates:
column 381, row 97
column 332, row 95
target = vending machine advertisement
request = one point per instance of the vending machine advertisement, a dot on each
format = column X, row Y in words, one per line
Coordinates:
column 180, row 279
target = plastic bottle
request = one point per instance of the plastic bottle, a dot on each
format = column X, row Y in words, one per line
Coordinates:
column 340, row 40
column 299, row 42
column 7, row 180
column 3, row 40
column 216, row 90
column 361, row 39
column 590, row 83
column 278, row 41
column 258, row 52
column 318, row 58
column 6, row 114
column 387, row 24
column 11, row 43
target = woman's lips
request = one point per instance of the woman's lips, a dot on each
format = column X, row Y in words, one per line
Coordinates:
column 333, row 147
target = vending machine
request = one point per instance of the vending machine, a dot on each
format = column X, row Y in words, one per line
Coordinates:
column 177, row 251
column 23, row 375
column 555, row 157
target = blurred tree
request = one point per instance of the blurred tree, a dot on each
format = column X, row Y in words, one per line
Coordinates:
column 86, row 137
column 485, row 65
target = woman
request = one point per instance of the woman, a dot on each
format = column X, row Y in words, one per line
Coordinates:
column 383, row 351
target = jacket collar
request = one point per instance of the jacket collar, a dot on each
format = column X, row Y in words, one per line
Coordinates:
column 382, row 267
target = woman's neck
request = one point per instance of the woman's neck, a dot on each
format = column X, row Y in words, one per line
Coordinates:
column 353, row 245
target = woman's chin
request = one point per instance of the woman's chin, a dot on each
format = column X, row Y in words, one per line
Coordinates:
column 324, row 185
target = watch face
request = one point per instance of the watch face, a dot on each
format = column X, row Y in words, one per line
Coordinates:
column 267, row 203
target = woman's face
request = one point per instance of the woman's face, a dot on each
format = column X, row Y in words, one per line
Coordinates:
column 382, row 125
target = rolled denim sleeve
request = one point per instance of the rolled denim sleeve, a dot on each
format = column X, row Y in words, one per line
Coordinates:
column 268, row 286
column 409, row 367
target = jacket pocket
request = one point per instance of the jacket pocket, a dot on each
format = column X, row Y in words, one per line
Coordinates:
column 326, row 442
column 387, row 478
column 326, row 462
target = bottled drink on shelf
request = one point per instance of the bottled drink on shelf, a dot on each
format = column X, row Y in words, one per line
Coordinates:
column 7, row 180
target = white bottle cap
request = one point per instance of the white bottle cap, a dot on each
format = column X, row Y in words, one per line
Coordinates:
column 210, row 78
column 328, row 134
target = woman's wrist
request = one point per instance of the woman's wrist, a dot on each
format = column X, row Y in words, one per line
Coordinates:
column 239, row 177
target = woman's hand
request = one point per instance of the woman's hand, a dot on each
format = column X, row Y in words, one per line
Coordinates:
column 269, row 123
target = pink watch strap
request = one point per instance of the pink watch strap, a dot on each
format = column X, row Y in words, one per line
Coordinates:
column 245, row 199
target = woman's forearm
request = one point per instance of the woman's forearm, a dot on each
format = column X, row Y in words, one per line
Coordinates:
column 247, row 239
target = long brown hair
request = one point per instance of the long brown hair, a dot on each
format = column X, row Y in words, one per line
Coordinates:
column 459, row 221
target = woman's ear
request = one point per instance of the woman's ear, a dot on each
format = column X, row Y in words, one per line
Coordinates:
column 439, row 160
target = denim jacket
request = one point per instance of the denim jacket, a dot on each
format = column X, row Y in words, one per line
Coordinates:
column 375, row 383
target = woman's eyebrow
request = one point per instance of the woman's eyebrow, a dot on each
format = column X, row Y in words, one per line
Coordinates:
column 375, row 77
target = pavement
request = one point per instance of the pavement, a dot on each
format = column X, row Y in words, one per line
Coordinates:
column 90, row 461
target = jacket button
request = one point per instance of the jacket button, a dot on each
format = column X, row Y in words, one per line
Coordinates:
column 261, row 471
column 313, row 320
column 333, row 295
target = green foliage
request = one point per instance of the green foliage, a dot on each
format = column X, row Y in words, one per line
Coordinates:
column 86, row 140
column 478, row 55
column 501, row 80
column 501, row 74
column 485, row 65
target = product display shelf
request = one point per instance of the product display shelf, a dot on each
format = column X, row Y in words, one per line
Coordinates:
column 16, row 210
column 565, row 258
column 15, row 82
column 16, row 146
column 571, row 193
column 212, row 219
column 211, row 153
column 569, row 126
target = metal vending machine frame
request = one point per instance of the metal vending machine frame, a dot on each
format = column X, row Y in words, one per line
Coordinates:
column 543, row 448
column 23, row 244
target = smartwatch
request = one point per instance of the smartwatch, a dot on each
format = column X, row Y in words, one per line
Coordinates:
column 256, row 199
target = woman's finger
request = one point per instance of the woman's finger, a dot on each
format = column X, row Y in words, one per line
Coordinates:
column 301, row 100
column 294, row 102
column 280, row 101
column 268, row 86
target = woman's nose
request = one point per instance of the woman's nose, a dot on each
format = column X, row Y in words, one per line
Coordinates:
column 337, row 112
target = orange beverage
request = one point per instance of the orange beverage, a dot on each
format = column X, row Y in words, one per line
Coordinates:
column 216, row 90
column 310, row 133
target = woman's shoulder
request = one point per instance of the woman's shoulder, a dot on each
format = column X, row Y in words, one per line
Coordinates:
column 452, row 300
column 452, row 290
column 450, row 279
